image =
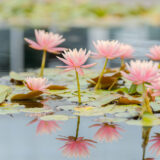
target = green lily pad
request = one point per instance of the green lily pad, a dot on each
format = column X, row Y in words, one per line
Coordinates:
column 19, row 78
column 4, row 92
column 56, row 117
column 148, row 119
column 36, row 110
column 101, row 101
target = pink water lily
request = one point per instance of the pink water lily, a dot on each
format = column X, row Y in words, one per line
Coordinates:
column 46, row 127
column 36, row 84
column 156, row 87
column 141, row 71
column 126, row 51
column 154, row 53
column 156, row 144
column 46, row 41
column 107, row 49
column 107, row 132
column 75, row 60
column 76, row 147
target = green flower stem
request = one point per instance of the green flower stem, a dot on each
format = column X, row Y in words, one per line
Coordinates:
column 145, row 104
column 122, row 62
column 78, row 123
column 78, row 87
column 98, row 85
column 145, row 136
column 43, row 63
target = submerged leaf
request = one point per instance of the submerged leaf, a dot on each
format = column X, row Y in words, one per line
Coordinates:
column 125, row 100
column 30, row 95
column 56, row 87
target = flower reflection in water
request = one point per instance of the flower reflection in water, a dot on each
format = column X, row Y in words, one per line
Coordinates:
column 107, row 132
column 76, row 146
column 156, row 144
column 45, row 127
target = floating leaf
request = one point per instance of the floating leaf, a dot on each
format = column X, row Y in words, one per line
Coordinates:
column 140, row 88
column 18, row 78
column 148, row 119
column 4, row 92
column 30, row 104
column 132, row 89
column 125, row 100
column 66, row 107
column 56, row 87
column 101, row 101
column 36, row 110
column 30, row 95
column 155, row 106
column 107, row 80
column 56, row 117
column 9, row 111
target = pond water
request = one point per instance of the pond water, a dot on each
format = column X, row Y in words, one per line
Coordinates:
column 19, row 137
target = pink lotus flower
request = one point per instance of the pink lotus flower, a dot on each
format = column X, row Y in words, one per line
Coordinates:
column 46, row 41
column 156, row 86
column 141, row 71
column 76, row 147
column 156, row 145
column 107, row 132
column 126, row 51
column 47, row 127
column 154, row 53
column 36, row 84
column 75, row 60
column 107, row 49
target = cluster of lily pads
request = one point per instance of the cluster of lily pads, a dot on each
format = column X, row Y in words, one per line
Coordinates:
column 129, row 93
column 79, row 13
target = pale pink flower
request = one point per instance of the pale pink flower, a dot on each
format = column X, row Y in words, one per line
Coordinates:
column 156, row 86
column 107, row 49
column 154, row 53
column 141, row 71
column 156, row 144
column 75, row 60
column 76, row 147
column 126, row 51
column 36, row 84
column 107, row 132
column 46, row 41
column 47, row 127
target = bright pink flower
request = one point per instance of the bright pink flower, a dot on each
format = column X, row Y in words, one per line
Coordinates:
column 76, row 147
column 46, row 41
column 107, row 49
column 141, row 71
column 36, row 84
column 156, row 86
column 107, row 132
column 156, row 145
column 126, row 51
column 154, row 53
column 75, row 59
column 47, row 127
